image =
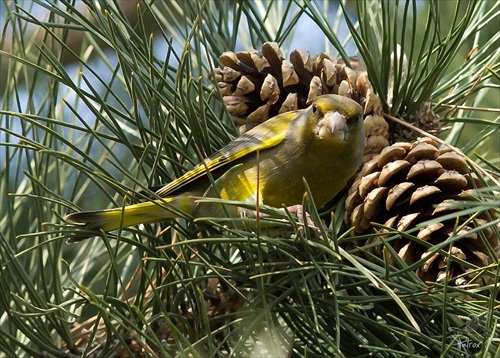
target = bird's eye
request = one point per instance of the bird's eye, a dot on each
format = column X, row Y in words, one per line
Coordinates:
column 315, row 108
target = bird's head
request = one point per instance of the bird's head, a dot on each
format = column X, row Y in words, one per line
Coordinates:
column 337, row 118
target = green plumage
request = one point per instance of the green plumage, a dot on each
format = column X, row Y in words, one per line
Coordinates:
column 322, row 144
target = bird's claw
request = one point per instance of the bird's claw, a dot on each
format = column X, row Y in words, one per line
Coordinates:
column 303, row 216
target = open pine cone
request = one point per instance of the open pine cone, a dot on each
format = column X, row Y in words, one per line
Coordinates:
column 256, row 86
column 408, row 184
column 415, row 182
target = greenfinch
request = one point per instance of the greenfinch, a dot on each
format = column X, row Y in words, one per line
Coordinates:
column 322, row 144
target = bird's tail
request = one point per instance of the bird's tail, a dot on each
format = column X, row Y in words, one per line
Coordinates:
column 113, row 219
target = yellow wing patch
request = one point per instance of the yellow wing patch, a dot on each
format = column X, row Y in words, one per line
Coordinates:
column 266, row 135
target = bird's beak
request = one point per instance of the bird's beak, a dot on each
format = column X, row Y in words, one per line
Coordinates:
column 333, row 124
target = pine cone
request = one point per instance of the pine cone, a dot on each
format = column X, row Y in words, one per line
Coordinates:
column 259, row 85
column 408, row 184
column 424, row 118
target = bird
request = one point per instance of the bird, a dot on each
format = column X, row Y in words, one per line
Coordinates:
column 321, row 145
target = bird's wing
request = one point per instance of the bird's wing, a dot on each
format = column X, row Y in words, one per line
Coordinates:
column 264, row 136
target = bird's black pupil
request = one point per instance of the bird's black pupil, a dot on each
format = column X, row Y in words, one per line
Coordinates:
column 315, row 108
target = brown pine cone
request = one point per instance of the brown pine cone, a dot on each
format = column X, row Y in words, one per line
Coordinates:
column 259, row 85
column 408, row 184
column 425, row 118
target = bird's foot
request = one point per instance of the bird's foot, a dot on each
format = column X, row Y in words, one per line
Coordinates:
column 302, row 215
